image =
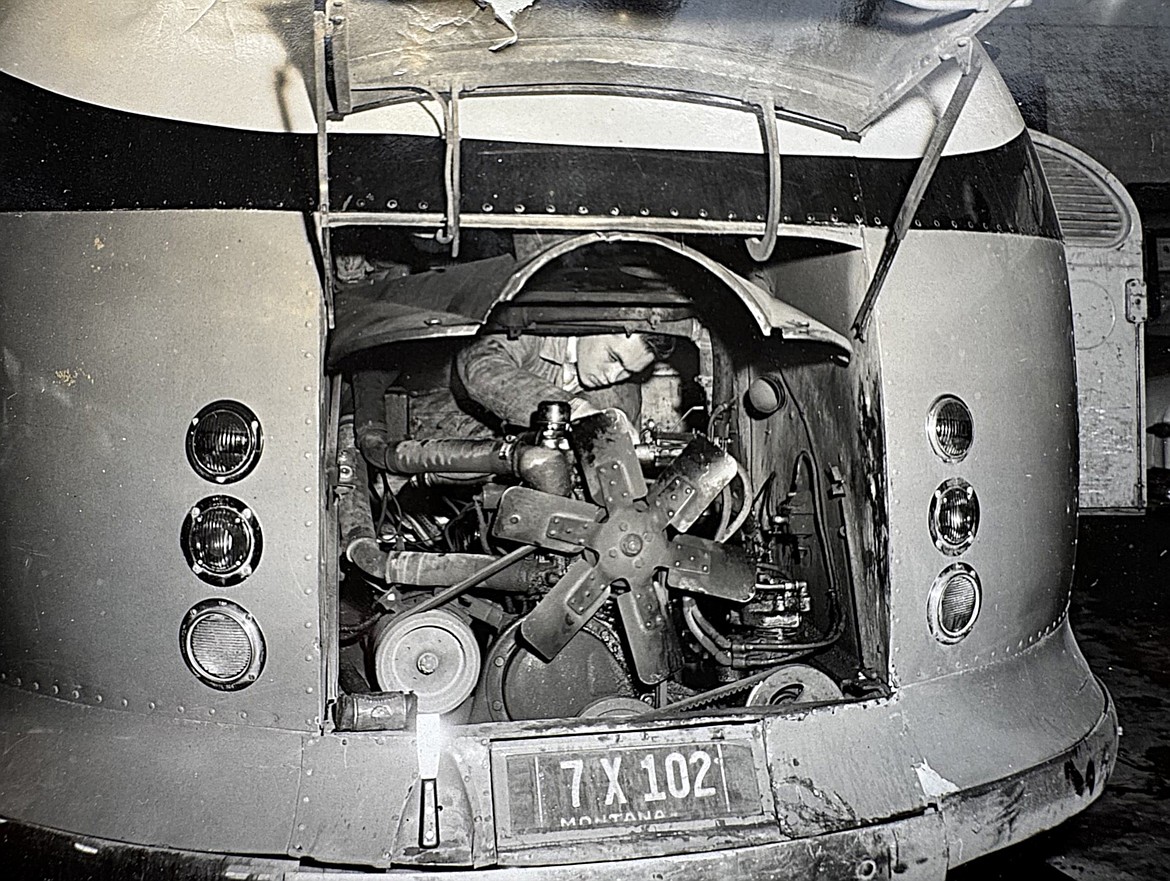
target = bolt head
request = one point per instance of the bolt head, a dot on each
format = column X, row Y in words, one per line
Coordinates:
column 427, row 663
column 631, row 545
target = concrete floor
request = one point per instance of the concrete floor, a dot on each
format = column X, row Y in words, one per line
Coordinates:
column 1121, row 616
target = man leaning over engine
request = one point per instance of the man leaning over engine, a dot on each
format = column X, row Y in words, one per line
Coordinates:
column 509, row 378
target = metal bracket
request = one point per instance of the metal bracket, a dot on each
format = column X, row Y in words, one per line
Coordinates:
column 963, row 54
column 449, row 235
column 337, row 36
column 1136, row 301
column 761, row 249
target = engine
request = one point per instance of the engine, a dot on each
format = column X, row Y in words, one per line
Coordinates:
column 578, row 569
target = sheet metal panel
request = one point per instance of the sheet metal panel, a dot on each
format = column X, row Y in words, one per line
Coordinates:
column 116, row 329
column 987, row 320
column 197, row 785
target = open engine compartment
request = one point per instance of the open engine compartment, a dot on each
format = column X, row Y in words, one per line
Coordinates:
column 692, row 557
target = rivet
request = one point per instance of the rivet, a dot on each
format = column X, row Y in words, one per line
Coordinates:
column 211, row 711
column 423, row 206
column 614, row 211
column 393, row 203
column 519, row 209
column 644, row 212
column 182, row 710
column 702, row 212
column 487, row 209
column 674, row 212
column 151, row 705
column 551, row 209
column 98, row 698
column 581, row 209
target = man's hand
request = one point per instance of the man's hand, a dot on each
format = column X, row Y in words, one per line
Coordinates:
column 579, row 407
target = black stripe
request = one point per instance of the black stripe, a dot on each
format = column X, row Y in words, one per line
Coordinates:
column 997, row 190
column 59, row 154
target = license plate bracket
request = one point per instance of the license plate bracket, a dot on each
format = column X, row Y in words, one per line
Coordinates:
column 636, row 785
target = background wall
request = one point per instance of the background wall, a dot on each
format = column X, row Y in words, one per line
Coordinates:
column 1095, row 73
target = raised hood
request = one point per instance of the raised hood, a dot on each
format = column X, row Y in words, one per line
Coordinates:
column 250, row 64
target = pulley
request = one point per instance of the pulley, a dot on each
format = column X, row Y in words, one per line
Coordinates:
column 432, row 654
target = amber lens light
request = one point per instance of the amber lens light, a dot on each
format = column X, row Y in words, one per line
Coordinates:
column 221, row 540
column 951, row 429
column 954, row 603
column 222, row 645
column 954, row 516
column 224, row 442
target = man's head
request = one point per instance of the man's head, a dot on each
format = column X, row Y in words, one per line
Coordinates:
column 606, row 359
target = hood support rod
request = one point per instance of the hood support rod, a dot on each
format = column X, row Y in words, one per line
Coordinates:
column 971, row 63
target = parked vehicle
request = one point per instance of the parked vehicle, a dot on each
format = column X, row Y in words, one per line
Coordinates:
column 256, row 621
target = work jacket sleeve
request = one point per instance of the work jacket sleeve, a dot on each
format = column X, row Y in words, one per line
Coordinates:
column 501, row 375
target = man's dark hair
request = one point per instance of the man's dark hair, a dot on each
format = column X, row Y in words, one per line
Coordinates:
column 660, row 345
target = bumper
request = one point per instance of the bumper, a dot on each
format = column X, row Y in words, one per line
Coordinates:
column 954, row 828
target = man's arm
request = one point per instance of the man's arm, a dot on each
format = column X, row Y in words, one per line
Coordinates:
column 497, row 373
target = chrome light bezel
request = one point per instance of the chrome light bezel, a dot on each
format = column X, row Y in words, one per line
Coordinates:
column 937, row 508
column 251, row 456
column 243, row 619
column 936, row 416
column 199, row 564
column 956, row 573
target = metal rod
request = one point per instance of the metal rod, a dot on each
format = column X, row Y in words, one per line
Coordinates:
column 922, row 177
column 470, row 581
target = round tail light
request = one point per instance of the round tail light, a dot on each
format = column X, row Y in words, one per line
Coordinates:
column 224, row 442
column 221, row 540
column 222, row 645
column 954, row 603
column 954, row 516
column 950, row 428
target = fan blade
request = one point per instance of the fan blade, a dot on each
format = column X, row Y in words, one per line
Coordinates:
column 699, row 565
column 691, row 482
column 545, row 520
column 564, row 610
column 605, row 447
column 654, row 646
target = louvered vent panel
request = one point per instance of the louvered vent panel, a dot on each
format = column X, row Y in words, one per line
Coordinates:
column 1089, row 213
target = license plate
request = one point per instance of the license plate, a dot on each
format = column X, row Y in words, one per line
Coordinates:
column 568, row 788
